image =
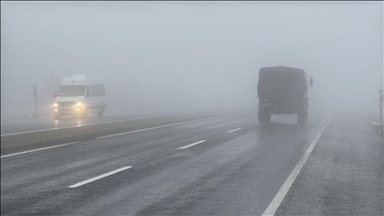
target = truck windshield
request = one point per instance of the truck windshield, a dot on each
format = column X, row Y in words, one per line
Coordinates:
column 71, row 91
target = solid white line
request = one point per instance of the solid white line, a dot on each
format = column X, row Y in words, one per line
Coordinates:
column 99, row 177
column 274, row 205
column 234, row 130
column 161, row 126
column 97, row 123
column 35, row 150
column 193, row 144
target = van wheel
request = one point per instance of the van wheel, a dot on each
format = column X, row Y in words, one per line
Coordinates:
column 101, row 112
column 56, row 116
column 85, row 112
column 302, row 116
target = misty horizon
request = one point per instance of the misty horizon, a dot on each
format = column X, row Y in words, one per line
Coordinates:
column 190, row 56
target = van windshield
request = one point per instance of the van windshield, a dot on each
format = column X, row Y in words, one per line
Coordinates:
column 71, row 91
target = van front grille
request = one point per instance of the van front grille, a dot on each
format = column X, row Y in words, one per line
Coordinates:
column 66, row 104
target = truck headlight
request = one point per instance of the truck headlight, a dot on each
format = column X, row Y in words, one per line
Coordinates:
column 79, row 103
column 55, row 104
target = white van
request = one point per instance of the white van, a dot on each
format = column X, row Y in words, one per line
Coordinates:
column 79, row 95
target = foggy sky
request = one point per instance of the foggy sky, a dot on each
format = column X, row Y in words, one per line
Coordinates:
column 186, row 56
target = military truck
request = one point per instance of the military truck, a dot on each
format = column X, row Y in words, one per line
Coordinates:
column 283, row 90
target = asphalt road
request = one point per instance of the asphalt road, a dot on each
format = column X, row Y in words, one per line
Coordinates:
column 222, row 165
column 12, row 127
column 343, row 176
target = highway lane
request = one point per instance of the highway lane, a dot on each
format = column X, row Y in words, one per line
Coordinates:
column 11, row 127
column 228, row 165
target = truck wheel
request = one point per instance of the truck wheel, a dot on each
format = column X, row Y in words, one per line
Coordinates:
column 264, row 115
column 261, row 116
column 267, row 117
column 302, row 116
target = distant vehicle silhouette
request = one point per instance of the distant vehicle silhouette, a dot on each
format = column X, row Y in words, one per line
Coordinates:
column 283, row 90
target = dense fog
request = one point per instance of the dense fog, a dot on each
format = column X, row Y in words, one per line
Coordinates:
column 158, row 57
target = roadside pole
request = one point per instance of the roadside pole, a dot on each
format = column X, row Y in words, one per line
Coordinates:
column 381, row 111
column 35, row 96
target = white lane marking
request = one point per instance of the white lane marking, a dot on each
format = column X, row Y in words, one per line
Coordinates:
column 97, row 123
column 234, row 130
column 35, row 150
column 193, row 144
column 274, row 205
column 161, row 126
column 99, row 177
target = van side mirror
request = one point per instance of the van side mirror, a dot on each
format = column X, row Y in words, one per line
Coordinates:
column 54, row 95
column 88, row 94
column 311, row 81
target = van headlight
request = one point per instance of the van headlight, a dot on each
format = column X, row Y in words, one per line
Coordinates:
column 55, row 104
column 79, row 103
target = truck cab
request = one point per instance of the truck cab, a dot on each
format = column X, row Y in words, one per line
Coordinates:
column 283, row 90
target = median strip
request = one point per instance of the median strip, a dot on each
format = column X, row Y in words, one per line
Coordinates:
column 99, row 177
column 193, row 144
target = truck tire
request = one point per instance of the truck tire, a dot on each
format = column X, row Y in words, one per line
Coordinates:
column 268, row 117
column 264, row 115
column 302, row 116
column 261, row 116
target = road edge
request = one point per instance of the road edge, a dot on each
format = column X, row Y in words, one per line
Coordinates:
column 277, row 200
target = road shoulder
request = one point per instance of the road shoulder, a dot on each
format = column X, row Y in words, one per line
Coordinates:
column 342, row 176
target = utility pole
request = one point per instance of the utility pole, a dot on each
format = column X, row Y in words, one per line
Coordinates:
column 381, row 111
column 35, row 96
column 381, row 90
